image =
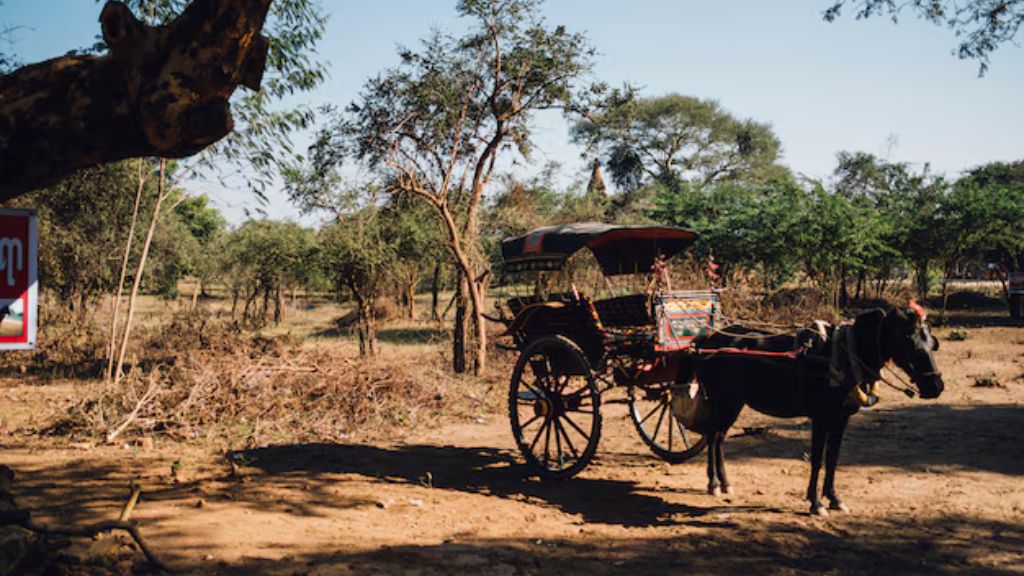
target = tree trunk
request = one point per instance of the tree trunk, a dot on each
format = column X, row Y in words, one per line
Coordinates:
column 278, row 306
column 844, row 293
column 410, row 293
column 435, row 289
column 921, row 278
column 195, row 296
column 112, row 344
column 476, row 294
column 160, row 91
column 366, row 326
column 139, row 269
column 266, row 304
column 459, row 332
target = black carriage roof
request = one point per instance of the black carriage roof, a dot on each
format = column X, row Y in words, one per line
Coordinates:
column 618, row 249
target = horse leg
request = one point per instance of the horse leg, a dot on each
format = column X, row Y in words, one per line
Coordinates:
column 720, row 466
column 819, row 435
column 835, row 439
column 714, row 439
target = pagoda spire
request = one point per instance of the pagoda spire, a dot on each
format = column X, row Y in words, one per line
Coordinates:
column 596, row 184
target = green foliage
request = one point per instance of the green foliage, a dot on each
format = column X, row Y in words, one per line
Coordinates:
column 986, row 214
column 675, row 140
column 459, row 99
column 982, row 25
column 261, row 139
column 262, row 259
column 207, row 228
column 84, row 222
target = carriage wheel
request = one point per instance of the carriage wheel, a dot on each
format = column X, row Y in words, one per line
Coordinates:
column 650, row 408
column 554, row 407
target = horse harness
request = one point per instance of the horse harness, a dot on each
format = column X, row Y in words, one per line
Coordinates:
column 844, row 361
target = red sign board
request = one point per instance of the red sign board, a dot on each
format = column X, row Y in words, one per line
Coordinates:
column 19, row 289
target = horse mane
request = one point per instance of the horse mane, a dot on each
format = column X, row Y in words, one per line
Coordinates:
column 868, row 326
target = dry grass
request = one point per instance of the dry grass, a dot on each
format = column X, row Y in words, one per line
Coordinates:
column 272, row 391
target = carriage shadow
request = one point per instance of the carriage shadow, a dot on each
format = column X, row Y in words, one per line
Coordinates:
column 484, row 471
column 913, row 437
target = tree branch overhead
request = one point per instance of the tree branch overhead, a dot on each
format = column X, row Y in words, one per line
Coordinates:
column 159, row 91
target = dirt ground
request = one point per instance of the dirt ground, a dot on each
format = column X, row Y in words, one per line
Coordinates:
column 936, row 487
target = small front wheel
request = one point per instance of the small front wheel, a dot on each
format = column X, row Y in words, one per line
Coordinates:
column 554, row 407
column 650, row 408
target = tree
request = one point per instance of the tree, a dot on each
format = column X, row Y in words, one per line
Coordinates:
column 160, row 91
column 436, row 125
column 986, row 210
column 357, row 253
column 678, row 139
column 260, row 140
column 206, row 225
column 982, row 25
column 261, row 260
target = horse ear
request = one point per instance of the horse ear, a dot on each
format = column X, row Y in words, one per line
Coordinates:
column 916, row 310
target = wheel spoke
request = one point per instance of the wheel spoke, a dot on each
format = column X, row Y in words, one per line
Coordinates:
column 530, row 421
column 558, row 443
column 549, row 374
column 649, row 414
column 537, row 436
column 671, row 419
column 577, row 428
column 657, row 427
column 535, row 388
column 547, row 441
column 568, row 442
column 683, row 434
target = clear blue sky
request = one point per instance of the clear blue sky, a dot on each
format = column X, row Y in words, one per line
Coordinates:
column 893, row 90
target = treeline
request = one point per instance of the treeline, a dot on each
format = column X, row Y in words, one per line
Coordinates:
column 429, row 138
column 872, row 227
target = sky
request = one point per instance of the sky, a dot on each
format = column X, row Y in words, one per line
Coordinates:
column 895, row 90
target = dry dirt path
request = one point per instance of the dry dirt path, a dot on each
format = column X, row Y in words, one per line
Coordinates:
column 936, row 488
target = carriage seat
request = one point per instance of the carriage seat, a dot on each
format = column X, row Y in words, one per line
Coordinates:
column 632, row 310
column 517, row 304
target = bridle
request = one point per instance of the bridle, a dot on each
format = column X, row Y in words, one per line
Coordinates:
column 906, row 388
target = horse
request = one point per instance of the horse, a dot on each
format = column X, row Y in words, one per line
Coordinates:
column 829, row 380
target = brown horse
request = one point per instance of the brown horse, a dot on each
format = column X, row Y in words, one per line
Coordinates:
column 812, row 384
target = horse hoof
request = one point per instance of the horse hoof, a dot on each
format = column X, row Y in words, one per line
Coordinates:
column 839, row 506
column 819, row 510
column 714, row 491
column 728, row 490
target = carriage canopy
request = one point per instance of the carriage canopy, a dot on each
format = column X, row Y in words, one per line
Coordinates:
column 618, row 249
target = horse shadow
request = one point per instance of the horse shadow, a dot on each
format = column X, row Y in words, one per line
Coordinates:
column 911, row 437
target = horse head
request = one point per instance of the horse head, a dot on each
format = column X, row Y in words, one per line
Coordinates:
column 905, row 339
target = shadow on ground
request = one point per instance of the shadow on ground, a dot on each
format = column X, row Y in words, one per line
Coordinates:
column 477, row 470
column 915, row 437
column 941, row 546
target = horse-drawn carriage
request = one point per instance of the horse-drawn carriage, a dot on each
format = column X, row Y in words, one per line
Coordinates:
column 676, row 364
column 574, row 348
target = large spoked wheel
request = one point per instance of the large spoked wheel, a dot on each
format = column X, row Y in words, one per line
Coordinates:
column 650, row 408
column 555, row 407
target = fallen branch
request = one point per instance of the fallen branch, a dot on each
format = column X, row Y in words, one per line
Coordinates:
column 15, row 516
column 150, row 392
column 91, row 530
